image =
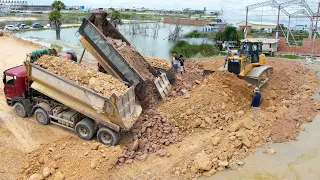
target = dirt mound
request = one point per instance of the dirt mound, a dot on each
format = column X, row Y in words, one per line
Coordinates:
column 101, row 83
column 288, row 100
column 72, row 157
column 215, row 102
column 159, row 62
column 132, row 56
column 151, row 133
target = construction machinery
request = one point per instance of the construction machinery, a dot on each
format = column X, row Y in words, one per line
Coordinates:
column 97, row 33
column 248, row 63
column 31, row 89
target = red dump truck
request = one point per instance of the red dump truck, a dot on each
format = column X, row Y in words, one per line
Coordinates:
column 31, row 89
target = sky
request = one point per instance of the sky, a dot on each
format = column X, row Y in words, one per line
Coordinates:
column 233, row 10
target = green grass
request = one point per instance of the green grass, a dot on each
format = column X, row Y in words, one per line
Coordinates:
column 290, row 56
column 189, row 50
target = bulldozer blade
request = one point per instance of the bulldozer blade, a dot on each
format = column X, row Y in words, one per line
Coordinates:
column 258, row 76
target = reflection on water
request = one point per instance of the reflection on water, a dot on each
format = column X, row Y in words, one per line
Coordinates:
column 150, row 39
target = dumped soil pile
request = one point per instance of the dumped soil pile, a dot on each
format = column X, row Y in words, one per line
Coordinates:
column 72, row 158
column 151, row 133
column 132, row 57
column 191, row 77
column 288, row 100
column 101, row 83
column 159, row 62
column 216, row 102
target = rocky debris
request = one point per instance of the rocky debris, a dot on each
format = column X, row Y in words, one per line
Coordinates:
column 162, row 152
column 59, row 176
column 159, row 62
column 36, row 177
column 46, row 172
column 104, row 84
column 202, row 161
column 270, row 151
column 132, row 56
column 152, row 132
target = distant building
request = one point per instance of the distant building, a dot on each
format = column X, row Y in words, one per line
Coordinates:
column 17, row 6
column 214, row 27
column 212, row 12
column 252, row 25
column 269, row 46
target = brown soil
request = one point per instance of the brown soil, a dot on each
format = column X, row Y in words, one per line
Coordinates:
column 213, row 117
column 104, row 84
column 133, row 58
column 159, row 62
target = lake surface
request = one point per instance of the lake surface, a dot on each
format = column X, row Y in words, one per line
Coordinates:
column 150, row 39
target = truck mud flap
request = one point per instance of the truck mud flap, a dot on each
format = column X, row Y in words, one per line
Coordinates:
column 163, row 85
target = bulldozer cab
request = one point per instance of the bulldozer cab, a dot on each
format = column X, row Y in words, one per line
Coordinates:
column 251, row 50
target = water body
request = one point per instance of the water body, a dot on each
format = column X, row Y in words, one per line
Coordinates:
column 143, row 38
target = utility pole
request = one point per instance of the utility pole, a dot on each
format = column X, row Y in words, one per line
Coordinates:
column 246, row 29
column 278, row 23
column 315, row 30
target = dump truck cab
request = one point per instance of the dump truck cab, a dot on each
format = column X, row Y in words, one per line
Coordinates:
column 15, row 84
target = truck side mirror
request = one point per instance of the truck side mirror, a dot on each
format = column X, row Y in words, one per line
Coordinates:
column 4, row 79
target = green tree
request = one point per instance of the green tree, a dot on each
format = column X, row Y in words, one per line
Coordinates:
column 115, row 14
column 58, row 5
column 115, row 17
column 55, row 16
column 229, row 34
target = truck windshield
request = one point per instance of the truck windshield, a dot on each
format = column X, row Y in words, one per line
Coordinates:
column 8, row 80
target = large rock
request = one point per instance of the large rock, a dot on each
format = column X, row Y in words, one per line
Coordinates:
column 271, row 151
column 209, row 173
column 36, row 177
column 59, row 176
column 245, row 141
column 306, row 87
column 46, row 172
column 240, row 113
column 223, row 163
column 215, row 141
column 202, row 161
column 235, row 126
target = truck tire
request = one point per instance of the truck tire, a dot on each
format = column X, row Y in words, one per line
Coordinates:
column 86, row 129
column 108, row 136
column 20, row 109
column 42, row 116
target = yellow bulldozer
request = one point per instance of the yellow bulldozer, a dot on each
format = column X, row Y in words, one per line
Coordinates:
column 248, row 63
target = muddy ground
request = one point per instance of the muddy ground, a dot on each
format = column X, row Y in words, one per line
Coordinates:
column 203, row 128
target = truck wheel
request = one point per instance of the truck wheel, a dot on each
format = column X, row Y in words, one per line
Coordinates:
column 108, row 136
column 42, row 116
column 20, row 110
column 86, row 129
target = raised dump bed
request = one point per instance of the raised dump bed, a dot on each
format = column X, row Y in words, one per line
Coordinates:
column 116, row 55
